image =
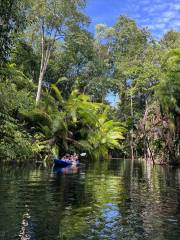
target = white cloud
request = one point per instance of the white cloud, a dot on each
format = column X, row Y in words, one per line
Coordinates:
column 160, row 15
column 176, row 6
column 157, row 26
column 176, row 23
column 169, row 14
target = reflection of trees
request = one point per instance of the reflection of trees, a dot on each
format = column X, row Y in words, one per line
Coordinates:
column 117, row 200
column 97, row 215
column 153, row 200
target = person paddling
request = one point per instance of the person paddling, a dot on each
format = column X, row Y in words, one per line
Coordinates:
column 74, row 158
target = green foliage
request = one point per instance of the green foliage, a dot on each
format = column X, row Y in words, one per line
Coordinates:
column 77, row 125
column 168, row 89
column 15, row 142
column 26, row 59
column 13, row 18
column 171, row 40
column 76, row 72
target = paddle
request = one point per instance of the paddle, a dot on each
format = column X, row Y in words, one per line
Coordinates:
column 82, row 154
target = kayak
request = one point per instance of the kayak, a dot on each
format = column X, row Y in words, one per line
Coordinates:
column 64, row 163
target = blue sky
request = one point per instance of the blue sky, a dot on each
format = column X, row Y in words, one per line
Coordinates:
column 158, row 15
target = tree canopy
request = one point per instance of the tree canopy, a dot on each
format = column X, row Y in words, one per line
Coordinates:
column 55, row 77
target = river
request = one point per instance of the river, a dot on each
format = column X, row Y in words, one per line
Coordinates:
column 109, row 200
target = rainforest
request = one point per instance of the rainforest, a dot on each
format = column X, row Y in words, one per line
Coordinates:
column 107, row 95
column 56, row 76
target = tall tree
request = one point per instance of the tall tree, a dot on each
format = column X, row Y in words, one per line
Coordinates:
column 52, row 19
column 128, row 47
column 168, row 89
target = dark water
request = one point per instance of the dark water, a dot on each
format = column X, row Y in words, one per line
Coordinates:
column 108, row 200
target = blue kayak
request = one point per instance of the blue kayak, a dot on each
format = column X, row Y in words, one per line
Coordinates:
column 63, row 163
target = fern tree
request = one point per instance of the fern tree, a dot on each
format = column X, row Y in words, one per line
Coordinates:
column 75, row 124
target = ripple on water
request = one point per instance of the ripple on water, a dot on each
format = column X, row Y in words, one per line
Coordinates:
column 111, row 201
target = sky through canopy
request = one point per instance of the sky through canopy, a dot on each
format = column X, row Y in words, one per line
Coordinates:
column 159, row 15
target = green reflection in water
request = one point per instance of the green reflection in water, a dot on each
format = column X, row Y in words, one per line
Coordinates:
column 105, row 192
column 103, row 200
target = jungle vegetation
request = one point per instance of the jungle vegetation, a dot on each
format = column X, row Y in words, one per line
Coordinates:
column 55, row 77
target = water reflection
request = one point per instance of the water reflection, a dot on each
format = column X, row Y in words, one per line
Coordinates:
column 68, row 170
column 100, row 200
column 26, row 231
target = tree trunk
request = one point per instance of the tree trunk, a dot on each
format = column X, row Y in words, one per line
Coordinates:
column 45, row 55
column 40, row 81
column 41, row 73
column 132, row 132
column 44, row 63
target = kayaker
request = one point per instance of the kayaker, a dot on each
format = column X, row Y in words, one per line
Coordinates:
column 76, row 157
column 72, row 158
column 66, row 157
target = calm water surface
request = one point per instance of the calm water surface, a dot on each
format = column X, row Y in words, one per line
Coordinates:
column 109, row 200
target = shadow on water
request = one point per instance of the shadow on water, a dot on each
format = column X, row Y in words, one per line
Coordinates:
column 116, row 199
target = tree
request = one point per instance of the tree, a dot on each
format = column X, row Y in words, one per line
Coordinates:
column 129, row 50
column 12, row 20
column 16, row 96
column 170, row 40
column 52, row 19
column 168, row 89
column 75, row 124
column 26, row 59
